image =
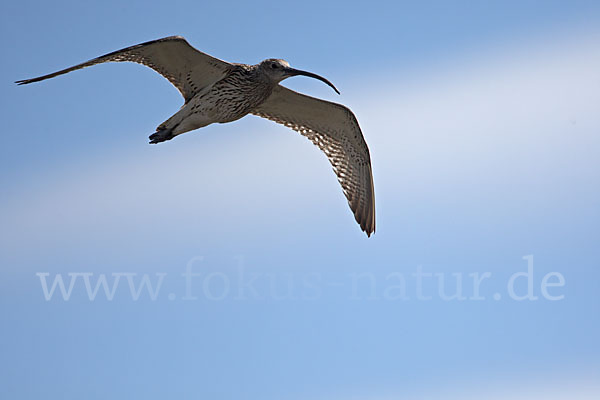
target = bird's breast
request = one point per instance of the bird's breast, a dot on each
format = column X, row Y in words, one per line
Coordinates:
column 233, row 97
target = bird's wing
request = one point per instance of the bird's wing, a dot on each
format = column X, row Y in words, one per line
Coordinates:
column 188, row 69
column 334, row 129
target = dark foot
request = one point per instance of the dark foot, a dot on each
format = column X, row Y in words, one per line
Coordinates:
column 161, row 136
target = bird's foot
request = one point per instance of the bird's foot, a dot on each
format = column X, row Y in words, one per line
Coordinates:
column 161, row 136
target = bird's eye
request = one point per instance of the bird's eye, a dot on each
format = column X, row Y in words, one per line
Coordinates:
column 274, row 65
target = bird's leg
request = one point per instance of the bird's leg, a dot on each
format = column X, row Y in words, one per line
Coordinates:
column 186, row 119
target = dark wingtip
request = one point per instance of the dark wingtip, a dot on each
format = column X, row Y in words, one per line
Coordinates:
column 27, row 81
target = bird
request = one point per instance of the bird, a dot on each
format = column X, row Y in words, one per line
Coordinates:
column 216, row 91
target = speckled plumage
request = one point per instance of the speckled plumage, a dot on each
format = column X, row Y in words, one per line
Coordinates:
column 227, row 100
column 218, row 91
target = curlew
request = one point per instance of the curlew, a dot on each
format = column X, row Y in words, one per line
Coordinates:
column 218, row 91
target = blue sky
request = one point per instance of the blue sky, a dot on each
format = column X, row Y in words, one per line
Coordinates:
column 482, row 120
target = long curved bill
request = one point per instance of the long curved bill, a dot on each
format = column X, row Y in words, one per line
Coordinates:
column 294, row 72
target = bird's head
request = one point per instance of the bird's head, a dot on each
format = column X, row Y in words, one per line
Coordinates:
column 278, row 70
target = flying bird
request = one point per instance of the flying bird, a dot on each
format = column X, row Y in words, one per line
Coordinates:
column 219, row 91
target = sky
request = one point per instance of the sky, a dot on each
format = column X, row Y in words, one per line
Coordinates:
column 226, row 263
